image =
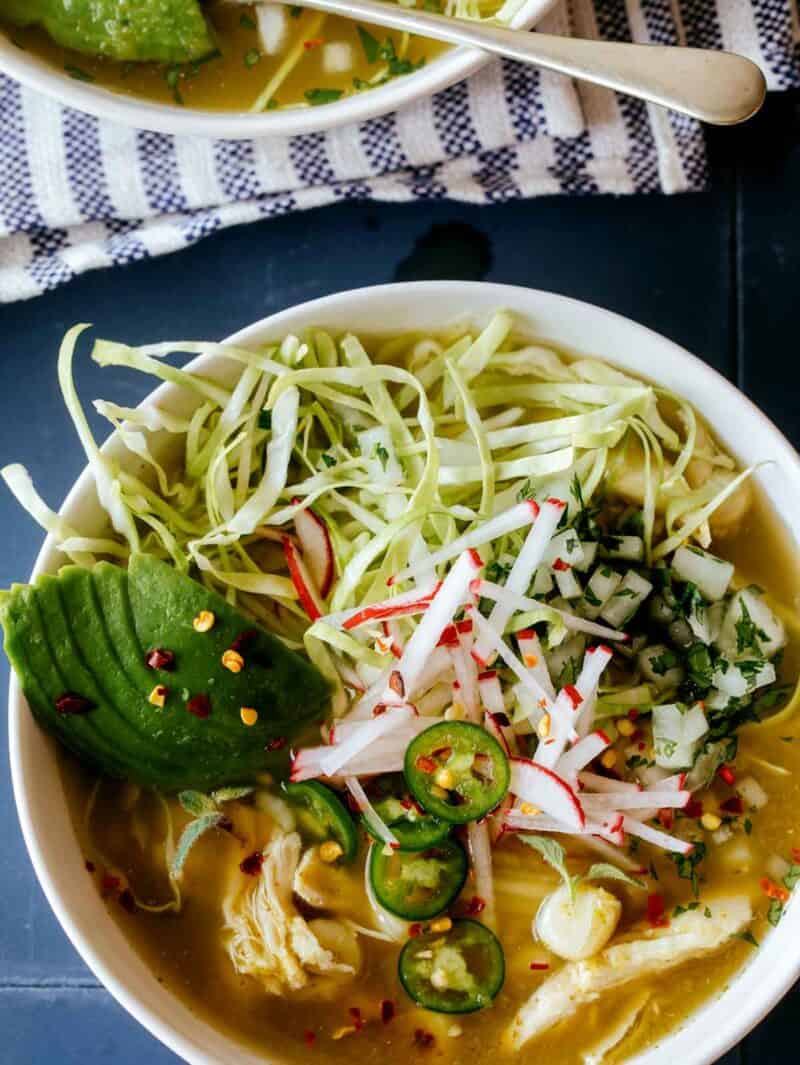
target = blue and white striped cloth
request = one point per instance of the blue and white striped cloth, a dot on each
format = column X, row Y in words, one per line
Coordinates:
column 78, row 194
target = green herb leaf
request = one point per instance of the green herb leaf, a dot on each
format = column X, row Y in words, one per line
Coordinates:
column 686, row 865
column 247, row 23
column 323, row 96
column 77, row 73
column 370, row 44
column 553, row 853
column 791, row 878
column 381, row 453
column 252, row 57
column 222, row 795
column 604, row 871
column 775, row 912
column 329, row 460
column 190, row 835
column 196, row 804
column 748, row 937
column 265, row 419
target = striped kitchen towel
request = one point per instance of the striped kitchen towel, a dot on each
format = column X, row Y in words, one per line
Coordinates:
column 77, row 194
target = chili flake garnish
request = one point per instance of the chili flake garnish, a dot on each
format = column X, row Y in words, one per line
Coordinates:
column 309, row 1037
column 475, row 906
column 414, row 930
column 773, row 890
column 159, row 658
column 422, row 1039
column 727, row 774
column 425, row 764
column 109, row 884
column 734, row 805
column 199, row 705
column 561, row 566
column 251, row 865
column 387, row 1010
column 89, row 866
column 633, row 713
column 277, row 744
column 693, row 809
column 796, row 854
column 656, row 914
column 72, row 703
column 538, row 966
column 356, row 1018
column 313, row 42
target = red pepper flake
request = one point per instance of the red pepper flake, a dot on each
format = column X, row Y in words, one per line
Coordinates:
column 727, row 774
column 425, row 764
column 641, row 746
column 243, row 640
column 475, row 906
column 656, row 915
column 387, row 1010
column 633, row 714
column 313, row 42
column 573, row 695
column 309, row 1037
column 693, row 809
column 109, row 884
column 561, row 566
column 773, row 890
column 89, row 866
column 72, row 703
column 538, row 966
column 251, row 865
column 734, row 805
column 666, row 818
column 414, row 930
column 127, row 901
column 422, row 1039
column 796, row 854
column 356, row 1018
column 199, row 705
column 277, row 744
column 159, row 658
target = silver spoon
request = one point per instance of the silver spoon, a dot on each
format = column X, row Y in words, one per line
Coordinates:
column 717, row 87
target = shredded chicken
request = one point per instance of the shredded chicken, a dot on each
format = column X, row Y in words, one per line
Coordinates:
column 689, row 936
column 266, row 936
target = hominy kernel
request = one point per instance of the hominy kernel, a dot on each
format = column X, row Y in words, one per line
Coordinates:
column 158, row 696
column 543, row 728
column 625, row 727
column 330, row 850
column 710, row 822
column 233, row 661
column 609, row 759
column 248, row 715
column 204, row 621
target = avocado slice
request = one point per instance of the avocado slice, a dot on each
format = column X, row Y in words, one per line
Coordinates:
column 163, row 31
column 92, row 631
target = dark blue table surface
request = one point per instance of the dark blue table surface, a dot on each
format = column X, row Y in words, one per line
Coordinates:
column 717, row 272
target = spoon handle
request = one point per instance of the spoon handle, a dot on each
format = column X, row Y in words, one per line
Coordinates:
column 717, row 87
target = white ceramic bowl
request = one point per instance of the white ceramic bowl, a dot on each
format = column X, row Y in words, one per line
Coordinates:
column 574, row 326
column 452, row 66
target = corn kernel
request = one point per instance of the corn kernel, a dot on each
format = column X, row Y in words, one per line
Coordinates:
column 625, row 727
column 439, row 793
column 531, row 661
column 543, row 728
column 608, row 759
column 445, row 779
column 529, row 809
column 330, row 850
column 248, row 715
column 158, row 696
column 441, row 924
column 233, row 661
column 204, row 621
column 710, row 822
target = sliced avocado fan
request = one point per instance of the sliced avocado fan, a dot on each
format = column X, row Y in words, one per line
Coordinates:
column 98, row 651
column 164, row 31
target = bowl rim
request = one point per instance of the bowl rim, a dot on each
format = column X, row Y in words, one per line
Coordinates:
column 758, row 986
column 453, row 65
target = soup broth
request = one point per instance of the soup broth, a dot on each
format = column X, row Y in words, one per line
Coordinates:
column 314, row 59
column 126, row 830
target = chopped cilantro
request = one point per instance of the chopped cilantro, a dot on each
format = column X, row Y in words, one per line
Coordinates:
column 381, row 453
column 685, row 909
column 747, row 632
column 323, row 96
column 370, row 44
column 591, row 598
column 686, row 865
column 748, row 826
column 252, row 57
column 625, row 593
column 653, row 871
column 748, row 937
column 775, row 912
column 636, row 762
column 247, row 22
column 791, row 878
column 497, row 572
column 707, row 912
column 661, row 664
column 77, row 73
column 265, row 419
column 329, row 460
